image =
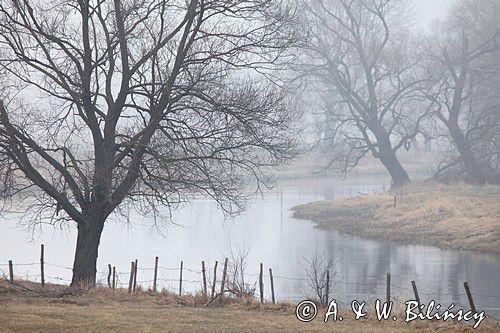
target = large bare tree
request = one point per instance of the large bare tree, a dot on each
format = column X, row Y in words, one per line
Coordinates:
column 466, row 71
column 368, row 69
column 109, row 104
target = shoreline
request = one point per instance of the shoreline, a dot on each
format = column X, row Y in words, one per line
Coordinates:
column 456, row 217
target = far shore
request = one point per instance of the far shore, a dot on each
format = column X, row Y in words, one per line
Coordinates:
column 457, row 216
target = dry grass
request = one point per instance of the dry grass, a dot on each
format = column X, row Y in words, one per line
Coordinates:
column 457, row 216
column 56, row 309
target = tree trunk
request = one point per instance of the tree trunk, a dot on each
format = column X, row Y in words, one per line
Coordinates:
column 399, row 176
column 85, row 264
column 387, row 156
column 472, row 167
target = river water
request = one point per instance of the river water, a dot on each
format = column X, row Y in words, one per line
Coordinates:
column 274, row 238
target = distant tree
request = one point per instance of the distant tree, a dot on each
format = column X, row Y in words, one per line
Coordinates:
column 466, row 71
column 362, row 55
column 115, row 104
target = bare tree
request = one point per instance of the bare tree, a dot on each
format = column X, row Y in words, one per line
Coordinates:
column 321, row 272
column 361, row 53
column 142, row 104
column 466, row 72
column 236, row 283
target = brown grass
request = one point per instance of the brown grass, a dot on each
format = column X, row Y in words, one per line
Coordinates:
column 58, row 309
column 457, row 216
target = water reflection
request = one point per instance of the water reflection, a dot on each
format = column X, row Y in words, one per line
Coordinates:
column 280, row 242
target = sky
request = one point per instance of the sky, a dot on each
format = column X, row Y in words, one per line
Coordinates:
column 431, row 10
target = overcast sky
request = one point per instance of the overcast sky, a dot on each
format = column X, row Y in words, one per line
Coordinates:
column 432, row 9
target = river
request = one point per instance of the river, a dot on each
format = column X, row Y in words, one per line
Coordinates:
column 270, row 234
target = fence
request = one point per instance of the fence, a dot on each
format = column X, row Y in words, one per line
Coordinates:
column 213, row 288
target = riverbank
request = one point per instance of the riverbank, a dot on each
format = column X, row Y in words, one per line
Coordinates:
column 59, row 309
column 458, row 216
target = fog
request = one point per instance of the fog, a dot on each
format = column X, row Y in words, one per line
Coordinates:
column 431, row 10
column 189, row 129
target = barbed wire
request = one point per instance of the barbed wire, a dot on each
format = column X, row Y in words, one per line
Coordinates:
column 161, row 278
column 22, row 264
column 56, row 265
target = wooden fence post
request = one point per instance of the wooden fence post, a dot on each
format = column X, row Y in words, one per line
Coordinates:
column 114, row 278
column 135, row 275
column 388, row 288
column 417, row 297
column 327, row 292
column 215, row 280
column 110, row 271
column 42, row 264
column 155, row 277
column 223, row 282
column 203, row 272
column 261, row 283
column 131, row 280
column 180, row 279
column 395, row 200
column 272, row 285
column 11, row 271
column 469, row 296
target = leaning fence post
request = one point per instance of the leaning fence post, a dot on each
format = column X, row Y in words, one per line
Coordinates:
column 203, row 272
column 261, row 283
column 388, row 288
column 272, row 285
column 327, row 292
column 469, row 296
column 11, row 271
column 415, row 291
column 42, row 264
column 135, row 275
column 109, row 276
column 114, row 278
column 131, row 280
column 223, row 282
column 180, row 279
column 155, row 277
column 215, row 280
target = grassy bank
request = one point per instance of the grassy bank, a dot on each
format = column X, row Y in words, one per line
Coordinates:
column 458, row 216
column 57, row 309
